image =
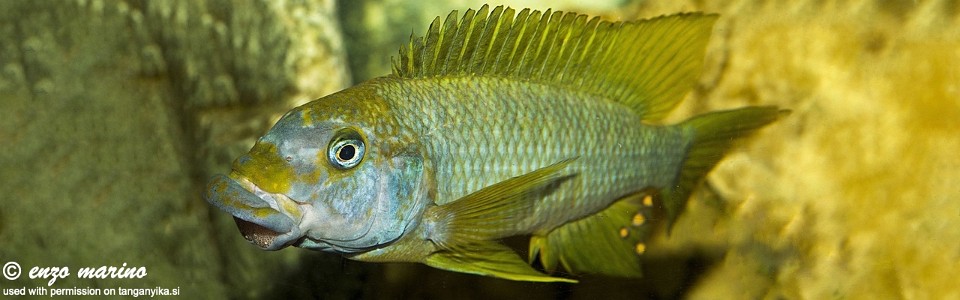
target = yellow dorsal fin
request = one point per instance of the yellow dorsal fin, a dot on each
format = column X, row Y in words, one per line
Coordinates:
column 647, row 65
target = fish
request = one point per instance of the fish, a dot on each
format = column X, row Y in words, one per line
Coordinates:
column 495, row 123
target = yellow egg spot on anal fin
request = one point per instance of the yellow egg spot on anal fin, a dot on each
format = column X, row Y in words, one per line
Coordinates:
column 603, row 243
column 641, row 248
column 648, row 201
column 638, row 219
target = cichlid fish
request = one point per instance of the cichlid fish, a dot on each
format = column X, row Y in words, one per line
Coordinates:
column 494, row 124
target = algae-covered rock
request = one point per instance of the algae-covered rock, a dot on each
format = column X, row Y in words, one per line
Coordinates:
column 114, row 115
column 853, row 194
column 374, row 30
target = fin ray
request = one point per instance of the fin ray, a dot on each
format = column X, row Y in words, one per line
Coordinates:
column 603, row 243
column 647, row 65
column 713, row 135
column 492, row 212
column 490, row 259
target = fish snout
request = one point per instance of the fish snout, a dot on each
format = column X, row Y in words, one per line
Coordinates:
column 260, row 217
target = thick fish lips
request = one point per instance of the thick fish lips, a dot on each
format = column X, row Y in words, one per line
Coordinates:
column 266, row 220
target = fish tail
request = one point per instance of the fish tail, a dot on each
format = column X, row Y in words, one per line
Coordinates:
column 713, row 135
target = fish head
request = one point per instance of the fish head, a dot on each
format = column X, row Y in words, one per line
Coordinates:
column 332, row 175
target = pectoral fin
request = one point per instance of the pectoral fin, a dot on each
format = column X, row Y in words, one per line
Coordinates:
column 492, row 212
column 466, row 229
column 489, row 259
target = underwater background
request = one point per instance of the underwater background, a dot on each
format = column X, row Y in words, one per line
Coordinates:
column 114, row 114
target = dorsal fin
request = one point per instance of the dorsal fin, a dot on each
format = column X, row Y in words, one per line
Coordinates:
column 647, row 65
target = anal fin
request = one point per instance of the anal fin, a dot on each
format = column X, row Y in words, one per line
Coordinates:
column 609, row 242
column 490, row 259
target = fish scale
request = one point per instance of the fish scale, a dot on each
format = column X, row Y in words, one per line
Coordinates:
column 616, row 154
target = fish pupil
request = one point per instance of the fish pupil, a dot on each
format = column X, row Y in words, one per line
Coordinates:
column 347, row 152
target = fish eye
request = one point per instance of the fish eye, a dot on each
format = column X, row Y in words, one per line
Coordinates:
column 346, row 149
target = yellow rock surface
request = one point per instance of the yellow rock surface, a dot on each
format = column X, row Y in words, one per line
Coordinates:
column 854, row 195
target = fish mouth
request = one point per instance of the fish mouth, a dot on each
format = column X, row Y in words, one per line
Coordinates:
column 256, row 234
column 269, row 221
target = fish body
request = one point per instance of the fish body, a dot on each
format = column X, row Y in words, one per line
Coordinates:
column 489, row 130
column 494, row 124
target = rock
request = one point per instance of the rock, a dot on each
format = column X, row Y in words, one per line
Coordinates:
column 374, row 30
column 116, row 113
column 851, row 195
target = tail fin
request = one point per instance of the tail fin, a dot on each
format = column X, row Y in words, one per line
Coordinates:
column 713, row 135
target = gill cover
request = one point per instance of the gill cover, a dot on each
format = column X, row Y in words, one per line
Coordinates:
column 371, row 206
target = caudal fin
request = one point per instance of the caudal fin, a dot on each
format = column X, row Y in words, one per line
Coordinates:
column 713, row 135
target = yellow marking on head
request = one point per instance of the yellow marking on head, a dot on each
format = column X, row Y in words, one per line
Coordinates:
column 262, row 212
column 307, row 116
column 648, row 201
column 291, row 208
column 641, row 248
column 219, row 187
column 638, row 219
column 312, row 177
column 266, row 169
column 624, row 232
